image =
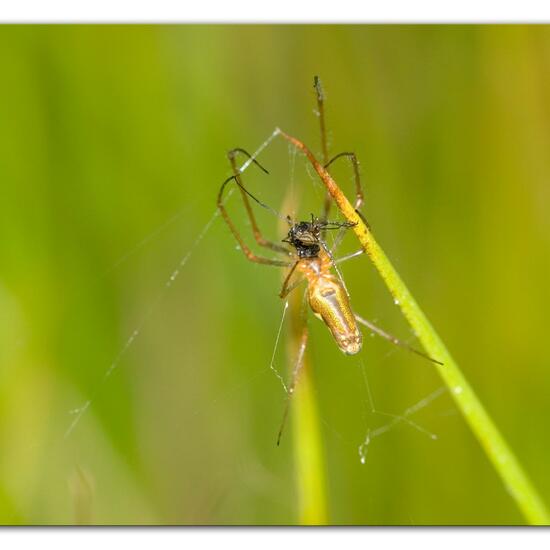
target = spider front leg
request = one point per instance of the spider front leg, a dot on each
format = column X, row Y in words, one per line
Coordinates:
column 260, row 239
column 245, row 249
column 287, row 288
column 323, row 132
column 324, row 146
column 359, row 197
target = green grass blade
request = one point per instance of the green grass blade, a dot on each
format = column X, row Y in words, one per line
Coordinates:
column 499, row 452
column 308, row 454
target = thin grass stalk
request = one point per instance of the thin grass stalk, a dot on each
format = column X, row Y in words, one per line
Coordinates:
column 309, row 463
column 498, row 451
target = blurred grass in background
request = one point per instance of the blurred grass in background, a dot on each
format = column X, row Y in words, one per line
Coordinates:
column 109, row 133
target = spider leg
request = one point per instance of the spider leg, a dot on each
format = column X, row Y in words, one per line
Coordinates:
column 287, row 288
column 393, row 339
column 246, row 250
column 349, row 256
column 290, row 288
column 359, row 197
column 326, row 162
column 260, row 239
column 323, row 132
column 300, row 360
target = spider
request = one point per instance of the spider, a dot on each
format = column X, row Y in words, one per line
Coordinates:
column 308, row 254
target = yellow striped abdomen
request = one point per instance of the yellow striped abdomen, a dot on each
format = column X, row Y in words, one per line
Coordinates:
column 329, row 301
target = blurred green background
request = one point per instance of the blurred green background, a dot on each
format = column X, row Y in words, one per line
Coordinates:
column 112, row 150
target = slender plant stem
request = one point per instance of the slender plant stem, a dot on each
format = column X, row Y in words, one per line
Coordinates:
column 309, row 462
column 500, row 454
column 306, row 432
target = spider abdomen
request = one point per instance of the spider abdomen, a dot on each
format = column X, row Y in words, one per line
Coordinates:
column 329, row 301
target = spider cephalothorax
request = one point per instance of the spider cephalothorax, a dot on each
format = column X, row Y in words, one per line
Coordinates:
column 304, row 237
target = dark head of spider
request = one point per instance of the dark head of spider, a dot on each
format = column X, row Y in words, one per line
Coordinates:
column 305, row 237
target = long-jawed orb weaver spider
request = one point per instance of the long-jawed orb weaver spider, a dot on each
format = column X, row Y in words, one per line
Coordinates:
column 327, row 294
column 309, row 254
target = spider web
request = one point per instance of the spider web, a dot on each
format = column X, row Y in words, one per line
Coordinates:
column 396, row 419
column 81, row 410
